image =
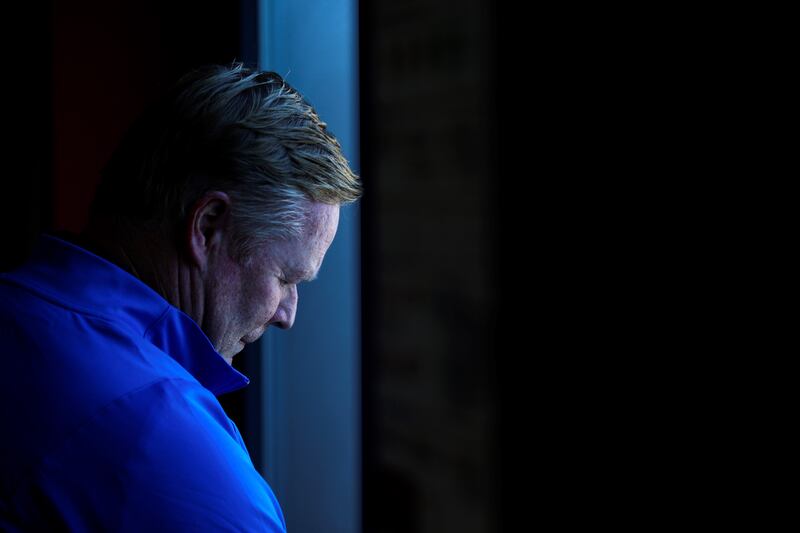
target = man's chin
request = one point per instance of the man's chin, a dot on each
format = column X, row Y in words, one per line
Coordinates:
column 229, row 354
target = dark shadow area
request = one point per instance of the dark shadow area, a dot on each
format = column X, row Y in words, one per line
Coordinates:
column 27, row 145
column 430, row 248
column 77, row 76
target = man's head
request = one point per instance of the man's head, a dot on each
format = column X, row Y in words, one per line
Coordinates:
column 238, row 173
column 241, row 298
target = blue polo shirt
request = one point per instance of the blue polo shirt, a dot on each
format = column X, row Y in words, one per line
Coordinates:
column 110, row 420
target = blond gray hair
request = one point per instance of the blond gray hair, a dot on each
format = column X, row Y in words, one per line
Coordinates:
column 233, row 129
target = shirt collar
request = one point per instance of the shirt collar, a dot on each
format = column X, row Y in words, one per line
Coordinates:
column 81, row 280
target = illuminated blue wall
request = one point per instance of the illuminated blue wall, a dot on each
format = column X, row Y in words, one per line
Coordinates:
column 311, row 380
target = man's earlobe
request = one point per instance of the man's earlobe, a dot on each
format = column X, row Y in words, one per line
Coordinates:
column 207, row 227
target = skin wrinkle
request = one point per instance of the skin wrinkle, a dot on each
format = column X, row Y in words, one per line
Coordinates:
column 185, row 297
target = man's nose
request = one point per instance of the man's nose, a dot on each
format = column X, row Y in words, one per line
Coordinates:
column 284, row 315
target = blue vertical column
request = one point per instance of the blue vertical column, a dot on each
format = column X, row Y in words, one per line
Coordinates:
column 312, row 372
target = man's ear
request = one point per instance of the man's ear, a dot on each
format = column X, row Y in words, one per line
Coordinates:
column 207, row 228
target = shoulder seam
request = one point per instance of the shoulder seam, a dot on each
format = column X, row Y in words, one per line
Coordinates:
column 40, row 293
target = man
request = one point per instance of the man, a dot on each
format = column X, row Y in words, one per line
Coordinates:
column 221, row 199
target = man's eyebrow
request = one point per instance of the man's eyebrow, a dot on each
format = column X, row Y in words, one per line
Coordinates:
column 302, row 274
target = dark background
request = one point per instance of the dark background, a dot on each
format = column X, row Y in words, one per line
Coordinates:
column 78, row 73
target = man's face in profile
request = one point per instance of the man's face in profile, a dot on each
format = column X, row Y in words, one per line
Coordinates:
column 244, row 299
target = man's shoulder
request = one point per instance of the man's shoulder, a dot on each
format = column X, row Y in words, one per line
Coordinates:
column 60, row 368
column 29, row 311
column 42, row 336
column 168, row 452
